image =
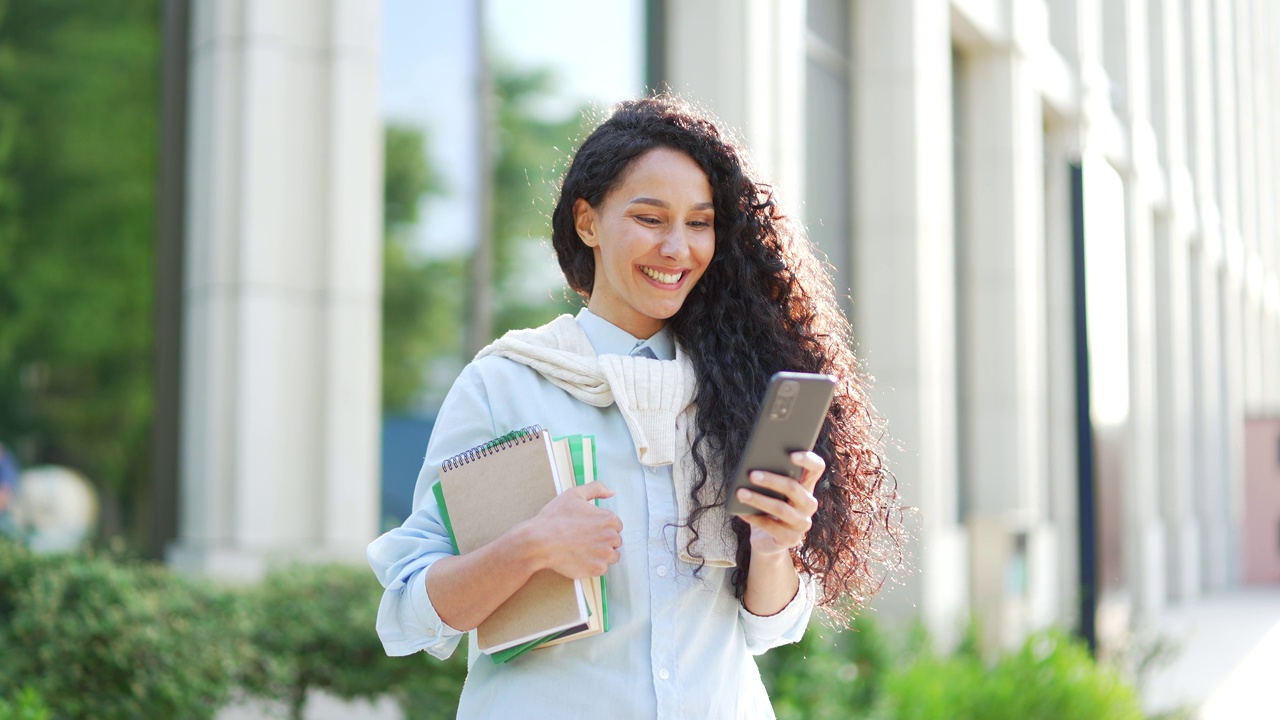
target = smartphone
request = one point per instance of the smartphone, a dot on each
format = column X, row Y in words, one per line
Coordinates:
column 790, row 418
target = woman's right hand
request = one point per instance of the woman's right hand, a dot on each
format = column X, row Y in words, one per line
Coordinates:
column 570, row 535
column 575, row 537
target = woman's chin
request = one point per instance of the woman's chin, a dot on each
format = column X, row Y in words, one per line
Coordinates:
column 664, row 311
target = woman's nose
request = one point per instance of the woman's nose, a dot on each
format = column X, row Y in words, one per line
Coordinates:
column 675, row 244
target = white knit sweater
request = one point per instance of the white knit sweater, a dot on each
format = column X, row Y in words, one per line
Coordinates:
column 655, row 398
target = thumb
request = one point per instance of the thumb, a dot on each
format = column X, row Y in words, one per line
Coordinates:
column 592, row 491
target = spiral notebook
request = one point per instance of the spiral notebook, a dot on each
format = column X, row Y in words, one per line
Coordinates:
column 486, row 491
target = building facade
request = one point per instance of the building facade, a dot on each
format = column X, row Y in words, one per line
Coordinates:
column 959, row 161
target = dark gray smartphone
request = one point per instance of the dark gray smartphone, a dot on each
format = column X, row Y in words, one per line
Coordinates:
column 791, row 416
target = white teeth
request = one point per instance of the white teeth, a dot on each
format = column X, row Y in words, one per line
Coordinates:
column 664, row 278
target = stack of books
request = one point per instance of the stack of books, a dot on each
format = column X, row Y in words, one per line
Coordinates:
column 490, row 488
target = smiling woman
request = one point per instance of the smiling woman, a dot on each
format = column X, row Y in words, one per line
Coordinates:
column 698, row 289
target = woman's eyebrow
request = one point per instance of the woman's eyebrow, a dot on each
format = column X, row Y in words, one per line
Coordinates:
column 664, row 205
column 649, row 201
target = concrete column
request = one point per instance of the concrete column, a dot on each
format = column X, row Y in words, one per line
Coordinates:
column 1267, row 28
column 1248, row 165
column 1208, row 485
column 750, row 73
column 1266, row 75
column 1173, row 302
column 282, row 286
column 1272, row 29
column 1175, row 422
column 1015, row 309
column 1003, row 270
column 1144, row 181
column 1208, row 259
column 904, row 296
column 1233, row 298
column 1232, row 492
column 1002, row 275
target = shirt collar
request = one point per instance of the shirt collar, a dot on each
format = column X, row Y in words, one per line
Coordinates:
column 609, row 339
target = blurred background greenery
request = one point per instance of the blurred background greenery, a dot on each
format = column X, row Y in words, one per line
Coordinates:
column 78, row 137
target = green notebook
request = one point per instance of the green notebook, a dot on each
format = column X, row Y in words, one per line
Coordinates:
column 577, row 445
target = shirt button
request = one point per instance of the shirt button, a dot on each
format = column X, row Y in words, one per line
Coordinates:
column 664, row 674
column 662, row 571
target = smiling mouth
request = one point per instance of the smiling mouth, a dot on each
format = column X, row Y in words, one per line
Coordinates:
column 663, row 277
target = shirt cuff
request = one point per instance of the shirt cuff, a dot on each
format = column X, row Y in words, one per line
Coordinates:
column 420, row 613
column 786, row 625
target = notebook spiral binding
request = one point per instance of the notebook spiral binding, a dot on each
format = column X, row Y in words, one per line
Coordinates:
column 494, row 446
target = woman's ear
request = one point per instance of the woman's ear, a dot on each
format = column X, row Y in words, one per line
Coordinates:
column 584, row 221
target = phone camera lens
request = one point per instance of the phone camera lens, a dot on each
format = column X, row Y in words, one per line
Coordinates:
column 790, row 388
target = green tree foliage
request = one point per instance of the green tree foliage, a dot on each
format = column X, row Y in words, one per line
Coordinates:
column 422, row 299
column 8, row 187
column 406, row 177
column 531, row 155
column 27, row 705
column 78, row 120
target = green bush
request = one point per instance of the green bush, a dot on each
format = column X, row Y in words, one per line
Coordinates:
column 27, row 706
column 1052, row 677
column 828, row 674
column 314, row 630
column 896, row 675
column 100, row 637
column 104, row 639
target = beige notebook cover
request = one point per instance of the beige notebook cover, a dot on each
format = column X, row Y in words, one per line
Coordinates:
column 489, row 490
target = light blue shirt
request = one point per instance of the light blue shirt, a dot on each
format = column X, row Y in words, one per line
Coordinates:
column 680, row 645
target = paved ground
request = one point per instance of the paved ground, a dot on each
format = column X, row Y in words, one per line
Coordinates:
column 1229, row 663
column 320, row 706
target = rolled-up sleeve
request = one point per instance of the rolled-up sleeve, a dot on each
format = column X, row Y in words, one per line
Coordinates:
column 785, row 626
column 407, row 619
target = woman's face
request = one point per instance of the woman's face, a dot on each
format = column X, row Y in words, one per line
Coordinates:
column 653, row 236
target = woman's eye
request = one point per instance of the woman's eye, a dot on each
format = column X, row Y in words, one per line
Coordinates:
column 647, row 220
column 700, row 224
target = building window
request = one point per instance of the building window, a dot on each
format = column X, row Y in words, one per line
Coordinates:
column 828, row 132
column 482, row 102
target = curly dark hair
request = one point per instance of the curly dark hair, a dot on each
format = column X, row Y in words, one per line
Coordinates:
column 764, row 304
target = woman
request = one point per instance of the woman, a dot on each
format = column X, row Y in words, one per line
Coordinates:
column 697, row 290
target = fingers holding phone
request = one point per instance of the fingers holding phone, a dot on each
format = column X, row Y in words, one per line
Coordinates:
column 784, row 520
column 785, row 491
column 812, row 466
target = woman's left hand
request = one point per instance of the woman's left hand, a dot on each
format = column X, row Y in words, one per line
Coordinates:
column 785, row 522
